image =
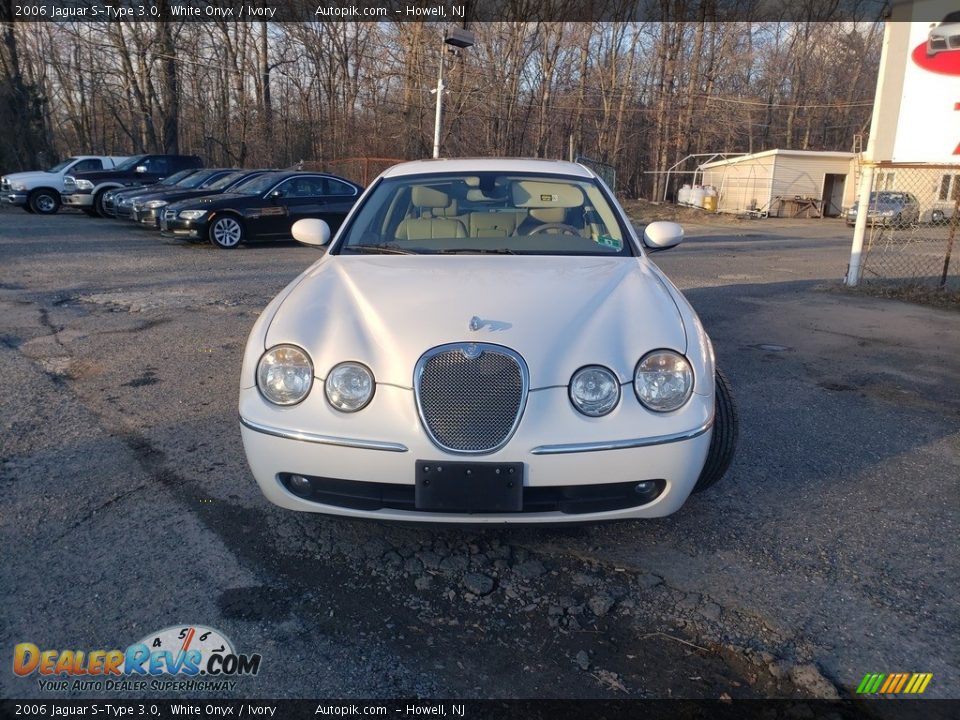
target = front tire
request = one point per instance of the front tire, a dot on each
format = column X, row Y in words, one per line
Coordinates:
column 98, row 207
column 226, row 232
column 723, row 442
column 937, row 217
column 44, row 202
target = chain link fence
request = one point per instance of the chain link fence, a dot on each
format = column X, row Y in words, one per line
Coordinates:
column 912, row 228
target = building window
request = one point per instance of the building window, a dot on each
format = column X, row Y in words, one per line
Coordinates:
column 884, row 181
column 949, row 188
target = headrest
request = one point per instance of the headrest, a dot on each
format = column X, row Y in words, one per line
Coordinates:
column 477, row 195
column 425, row 197
column 549, row 215
column 539, row 194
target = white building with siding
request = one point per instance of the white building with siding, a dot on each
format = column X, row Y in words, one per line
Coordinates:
column 784, row 183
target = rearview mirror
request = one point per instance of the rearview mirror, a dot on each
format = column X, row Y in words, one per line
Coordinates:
column 662, row 234
column 311, row 231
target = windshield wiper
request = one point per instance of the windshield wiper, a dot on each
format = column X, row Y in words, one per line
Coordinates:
column 381, row 249
column 476, row 251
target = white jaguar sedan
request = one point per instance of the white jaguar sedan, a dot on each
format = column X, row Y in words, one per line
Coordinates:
column 485, row 341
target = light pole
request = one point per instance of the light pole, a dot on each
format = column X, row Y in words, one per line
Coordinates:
column 457, row 38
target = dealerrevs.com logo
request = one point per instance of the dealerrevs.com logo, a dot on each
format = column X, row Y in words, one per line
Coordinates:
column 179, row 658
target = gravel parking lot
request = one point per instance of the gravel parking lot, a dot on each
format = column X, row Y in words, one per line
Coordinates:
column 828, row 552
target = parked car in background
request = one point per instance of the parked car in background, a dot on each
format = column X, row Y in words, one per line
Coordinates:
column 888, row 207
column 200, row 180
column 148, row 209
column 111, row 198
column 486, row 341
column 944, row 36
column 86, row 190
column 261, row 209
column 39, row 191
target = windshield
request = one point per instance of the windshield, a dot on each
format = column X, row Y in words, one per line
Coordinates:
column 489, row 212
column 176, row 177
column 196, row 179
column 60, row 165
column 226, row 181
column 889, row 197
column 130, row 163
column 257, row 185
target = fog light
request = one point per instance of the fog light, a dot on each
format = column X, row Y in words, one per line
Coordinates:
column 300, row 485
column 642, row 488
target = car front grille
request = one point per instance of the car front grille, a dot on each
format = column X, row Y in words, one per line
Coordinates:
column 471, row 395
column 169, row 215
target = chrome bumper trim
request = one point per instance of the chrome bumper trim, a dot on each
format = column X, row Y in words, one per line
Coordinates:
column 323, row 439
column 622, row 444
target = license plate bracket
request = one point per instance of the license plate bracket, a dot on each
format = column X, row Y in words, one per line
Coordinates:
column 468, row 487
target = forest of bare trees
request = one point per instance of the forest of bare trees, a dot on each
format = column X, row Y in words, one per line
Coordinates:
column 639, row 96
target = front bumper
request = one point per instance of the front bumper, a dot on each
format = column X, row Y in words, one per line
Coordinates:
column 176, row 227
column 553, row 457
column 77, row 200
column 147, row 217
column 15, row 198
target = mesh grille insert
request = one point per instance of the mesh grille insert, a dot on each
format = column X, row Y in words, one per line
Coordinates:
column 470, row 404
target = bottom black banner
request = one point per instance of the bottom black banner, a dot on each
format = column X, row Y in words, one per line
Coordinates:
column 484, row 709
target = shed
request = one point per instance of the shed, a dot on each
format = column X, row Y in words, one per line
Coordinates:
column 784, row 183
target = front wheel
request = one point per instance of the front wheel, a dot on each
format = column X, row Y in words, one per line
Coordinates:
column 226, row 232
column 98, row 207
column 937, row 217
column 723, row 442
column 44, row 202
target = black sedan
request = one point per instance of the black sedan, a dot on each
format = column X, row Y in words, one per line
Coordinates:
column 263, row 208
column 112, row 197
column 148, row 208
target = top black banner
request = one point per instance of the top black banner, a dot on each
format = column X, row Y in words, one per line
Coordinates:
column 466, row 11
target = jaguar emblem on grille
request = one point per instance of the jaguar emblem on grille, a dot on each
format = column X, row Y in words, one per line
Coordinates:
column 471, row 351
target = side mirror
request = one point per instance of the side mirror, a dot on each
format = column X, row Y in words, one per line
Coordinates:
column 662, row 234
column 311, row 231
column 276, row 194
column 141, row 168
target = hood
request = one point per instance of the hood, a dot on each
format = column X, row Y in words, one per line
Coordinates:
column 559, row 313
column 32, row 176
column 173, row 196
column 209, row 201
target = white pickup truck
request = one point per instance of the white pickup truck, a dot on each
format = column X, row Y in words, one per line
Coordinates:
column 38, row 191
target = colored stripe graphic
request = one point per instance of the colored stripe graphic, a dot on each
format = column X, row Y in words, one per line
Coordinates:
column 894, row 683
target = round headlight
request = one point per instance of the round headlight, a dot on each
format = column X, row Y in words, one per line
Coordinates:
column 349, row 387
column 284, row 375
column 663, row 380
column 594, row 390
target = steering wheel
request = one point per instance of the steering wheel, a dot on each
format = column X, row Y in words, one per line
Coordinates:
column 564, row 229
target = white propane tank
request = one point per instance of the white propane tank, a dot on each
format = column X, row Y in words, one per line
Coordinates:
column 683, row 197
column 696, row 196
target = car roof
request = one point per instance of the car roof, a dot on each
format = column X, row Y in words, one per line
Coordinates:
column 465, row 166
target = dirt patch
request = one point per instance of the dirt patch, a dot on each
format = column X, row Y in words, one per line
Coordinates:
column 918, row 294
column 645, row 211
